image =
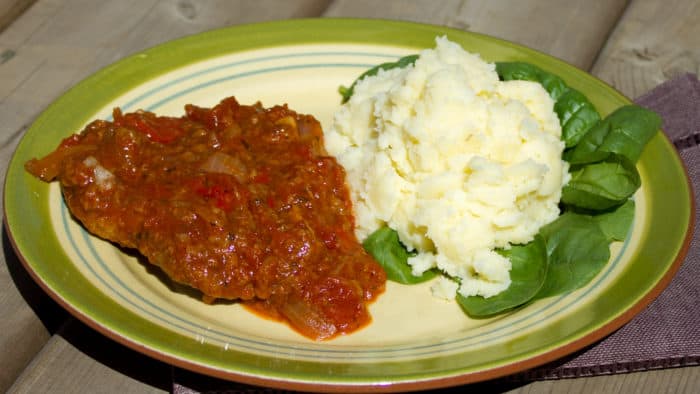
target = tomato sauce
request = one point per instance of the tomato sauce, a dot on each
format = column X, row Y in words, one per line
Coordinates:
column 238, row 201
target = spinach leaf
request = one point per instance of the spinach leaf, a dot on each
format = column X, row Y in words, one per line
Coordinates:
column 576, row 115
column 521, row 71
column 346, row 93
column 527, row 274
column 617, row 223
column 625, row 131
column 385, row 247
column 577, row 250
column 602, row 185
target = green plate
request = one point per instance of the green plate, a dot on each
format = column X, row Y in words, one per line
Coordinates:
column 415, row 341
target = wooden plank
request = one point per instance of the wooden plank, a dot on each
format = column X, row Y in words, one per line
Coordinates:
column 23, row 304
column 654, row 41
column 58, row 43
column 80, row 360
column 574, row 31
column 11, row 9
column 24, row 329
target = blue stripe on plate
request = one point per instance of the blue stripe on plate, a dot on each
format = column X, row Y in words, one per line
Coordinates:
column 134, row 102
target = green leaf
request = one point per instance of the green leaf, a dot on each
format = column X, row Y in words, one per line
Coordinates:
column 521, row 71
column 603, row 185
column 617, row 223
column 385, row 247
column 528, row 272
column 625, row 131
column 577, row 250
column 576, row 114
column 554, row 85
column 346, row 93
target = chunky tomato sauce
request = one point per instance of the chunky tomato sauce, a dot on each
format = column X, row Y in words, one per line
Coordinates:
column 240, row 202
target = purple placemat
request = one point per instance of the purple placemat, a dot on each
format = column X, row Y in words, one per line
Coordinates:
column 666, row 334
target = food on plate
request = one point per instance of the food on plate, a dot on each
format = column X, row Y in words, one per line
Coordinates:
column 406, row 133
column 239, row 201
column 456, row 161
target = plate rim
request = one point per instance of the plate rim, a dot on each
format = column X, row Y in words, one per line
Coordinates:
column 485, row 374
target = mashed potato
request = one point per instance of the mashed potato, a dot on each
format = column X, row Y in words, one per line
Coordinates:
column 456, row 161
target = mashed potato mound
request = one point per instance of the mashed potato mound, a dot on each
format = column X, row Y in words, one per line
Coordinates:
column 456, row 161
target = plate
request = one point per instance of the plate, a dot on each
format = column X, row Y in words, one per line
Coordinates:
column 414, row 341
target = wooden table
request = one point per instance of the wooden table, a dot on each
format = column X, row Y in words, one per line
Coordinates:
column 46, row 46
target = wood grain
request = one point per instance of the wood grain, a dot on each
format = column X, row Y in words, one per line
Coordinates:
column 29, row 317
column 11, row 9
column 573, row 30
column 67, row 364
column 23, row 304
column 653, row 42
